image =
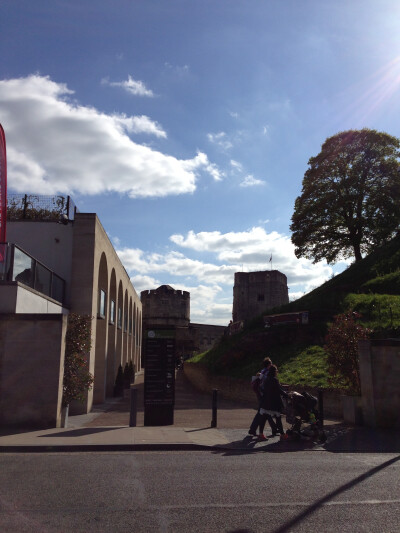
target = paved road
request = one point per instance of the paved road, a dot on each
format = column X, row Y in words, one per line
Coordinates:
column 199, row 492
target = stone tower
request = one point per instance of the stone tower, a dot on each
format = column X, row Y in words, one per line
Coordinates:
column 257, row 292
column 165, row 306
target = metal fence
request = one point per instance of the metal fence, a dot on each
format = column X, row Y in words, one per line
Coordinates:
column 37, row 207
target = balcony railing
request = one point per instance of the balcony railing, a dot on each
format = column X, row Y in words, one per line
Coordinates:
column 17, row 265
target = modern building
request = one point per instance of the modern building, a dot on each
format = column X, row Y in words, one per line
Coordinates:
column 57, row 262
column 255, row 293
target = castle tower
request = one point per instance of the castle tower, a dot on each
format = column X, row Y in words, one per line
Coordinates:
column 165, row 306
column 256, row 292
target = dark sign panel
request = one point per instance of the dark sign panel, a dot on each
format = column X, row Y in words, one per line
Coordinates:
column 3, row 185
column 159, row 377
column 300, row 317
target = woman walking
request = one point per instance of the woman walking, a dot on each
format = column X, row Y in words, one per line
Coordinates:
column 271, row 405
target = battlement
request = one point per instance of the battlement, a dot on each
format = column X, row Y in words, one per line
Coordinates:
column 165, row 305
column 167, row 290
column 261, row 276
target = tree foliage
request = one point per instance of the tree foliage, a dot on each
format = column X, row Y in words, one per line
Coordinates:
column 77, row 379
column 349, row 202
column 342, row 349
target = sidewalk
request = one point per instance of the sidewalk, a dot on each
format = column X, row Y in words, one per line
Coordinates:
column 106, row 428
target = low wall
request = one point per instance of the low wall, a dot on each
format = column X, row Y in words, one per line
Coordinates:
column 32, row 350
column 240, row 389
column 380, row 382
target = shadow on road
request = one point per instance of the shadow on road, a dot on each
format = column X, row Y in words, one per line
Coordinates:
column 288, row 526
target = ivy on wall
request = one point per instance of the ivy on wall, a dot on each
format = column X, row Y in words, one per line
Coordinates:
column 77, row 379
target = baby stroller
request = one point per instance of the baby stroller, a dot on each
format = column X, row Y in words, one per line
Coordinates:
column 303, row 408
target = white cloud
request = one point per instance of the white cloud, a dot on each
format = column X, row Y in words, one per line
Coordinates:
column 144, row 283
column 220, row 140
column 251, row 181
column 251, row 251
column 210, row 282
column 202, row 161
column 115, row 240
column 135, row 87
column 140, row 124
column 56, row 145
column 236, row 165
column 180, row 71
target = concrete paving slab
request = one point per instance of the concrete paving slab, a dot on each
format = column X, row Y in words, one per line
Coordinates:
column 106, row 428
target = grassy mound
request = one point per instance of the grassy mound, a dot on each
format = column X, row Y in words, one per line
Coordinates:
column 371, row 287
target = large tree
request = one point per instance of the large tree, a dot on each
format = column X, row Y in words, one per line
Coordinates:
column 350, row 200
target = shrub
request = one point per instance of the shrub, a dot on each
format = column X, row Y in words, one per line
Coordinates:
column 119, row 382
column 77, row 379
column 342, row 349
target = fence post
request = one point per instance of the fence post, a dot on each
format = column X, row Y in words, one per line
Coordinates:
column 133, row 411
column 214, row 408
column 25, row 202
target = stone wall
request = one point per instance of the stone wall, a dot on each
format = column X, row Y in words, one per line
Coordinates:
column 206, row 335
column 32, row 348
column 240, row 389
column 380, row 382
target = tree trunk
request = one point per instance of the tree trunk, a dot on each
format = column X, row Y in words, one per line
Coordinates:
column 357, row 252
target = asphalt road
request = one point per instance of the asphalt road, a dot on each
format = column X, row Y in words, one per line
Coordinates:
column 207, row 491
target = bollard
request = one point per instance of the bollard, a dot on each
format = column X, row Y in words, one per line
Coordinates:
column 214, row 408
column 321, row 407
column 133, row 411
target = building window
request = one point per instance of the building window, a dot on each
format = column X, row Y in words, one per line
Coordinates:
column 260, row 298
column 126, row 323
column 119, row 323
column 112, row 312
column 102, row 304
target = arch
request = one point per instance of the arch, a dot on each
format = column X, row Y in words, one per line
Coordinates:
column 125, row 329
column 130, row 336
column 100, row 363
column 112, row 335
column 134, row 351
column 139, row 329
column 119, row 325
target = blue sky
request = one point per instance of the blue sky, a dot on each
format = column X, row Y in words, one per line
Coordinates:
column 187, row 125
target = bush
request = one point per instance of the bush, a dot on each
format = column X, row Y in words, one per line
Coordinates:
column 77, row 379
column 342, row 349
column 119, row 382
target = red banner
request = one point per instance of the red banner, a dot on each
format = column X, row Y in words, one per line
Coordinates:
column 3, row 186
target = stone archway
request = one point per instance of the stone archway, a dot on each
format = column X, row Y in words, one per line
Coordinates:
column 112, row 333
column 130, row 332
column 119, row 323
column 100, row 363
column 125, row 330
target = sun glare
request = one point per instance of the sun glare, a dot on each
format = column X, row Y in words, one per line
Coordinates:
column 367, row 97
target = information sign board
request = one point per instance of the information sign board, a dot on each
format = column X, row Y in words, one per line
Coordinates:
column 159, row 377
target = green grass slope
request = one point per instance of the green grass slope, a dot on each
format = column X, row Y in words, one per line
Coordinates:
column 371, row 287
